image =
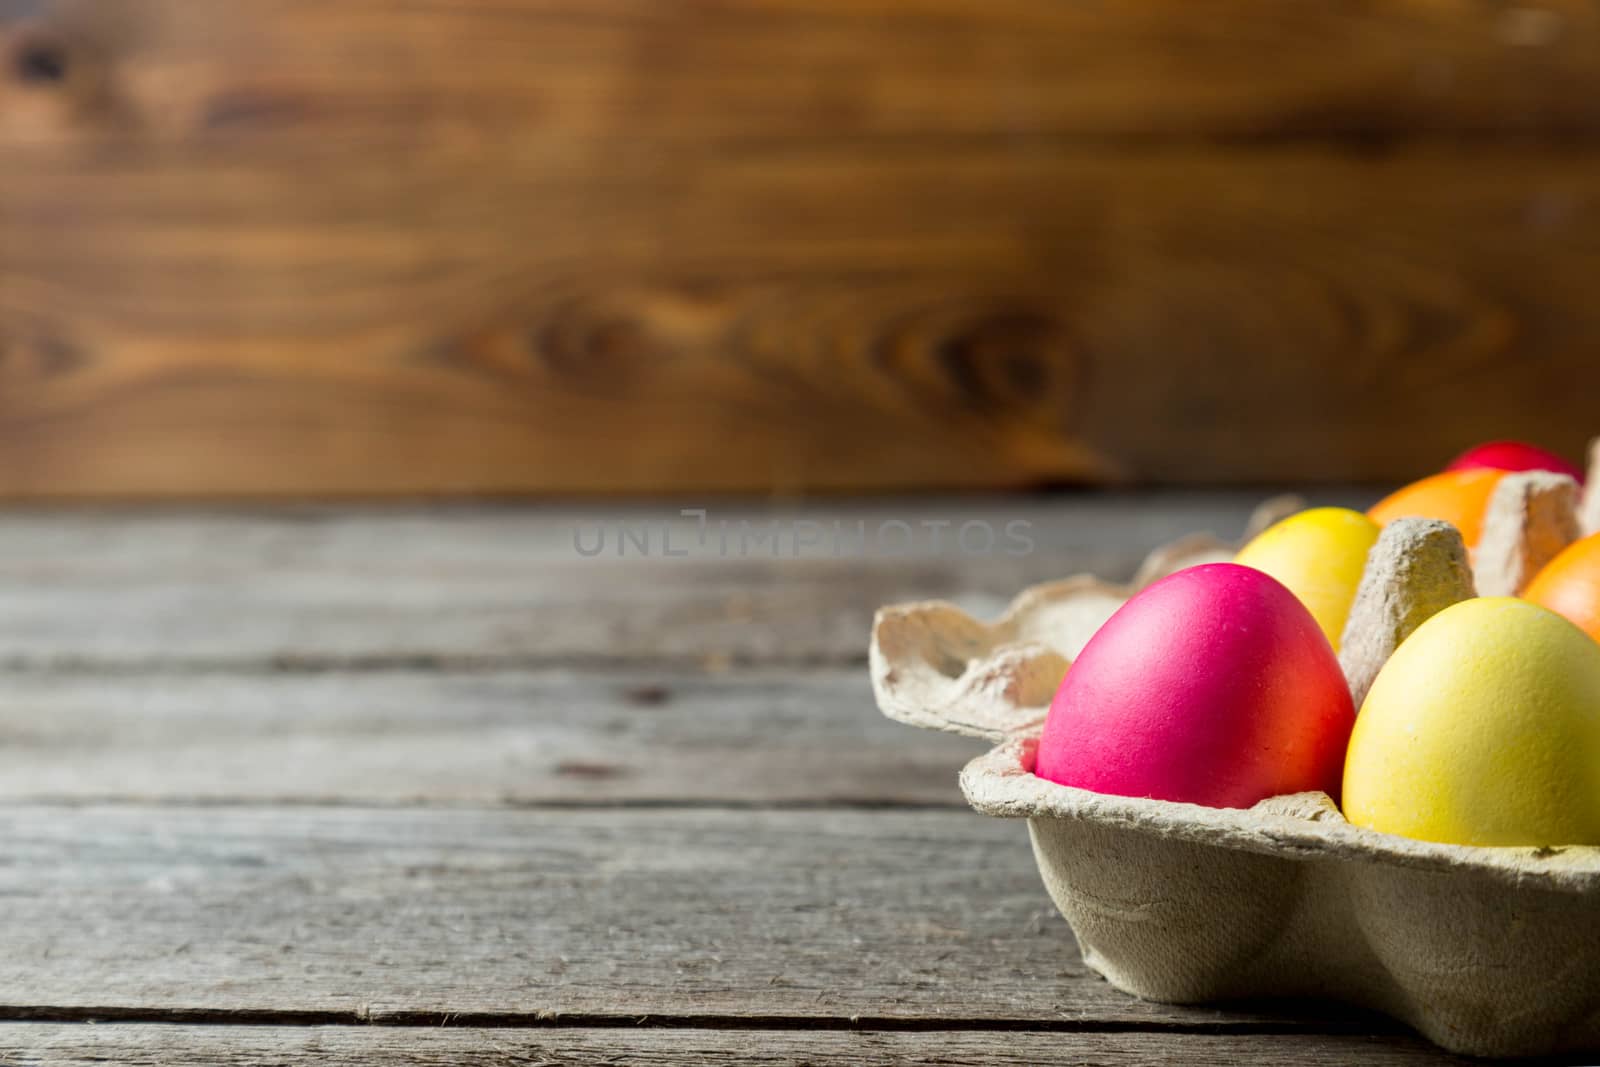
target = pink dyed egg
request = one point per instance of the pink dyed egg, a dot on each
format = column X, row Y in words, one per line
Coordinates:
column 1213, row 686
column 1513, row 456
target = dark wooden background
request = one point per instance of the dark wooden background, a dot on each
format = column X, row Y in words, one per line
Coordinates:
column 433, row 246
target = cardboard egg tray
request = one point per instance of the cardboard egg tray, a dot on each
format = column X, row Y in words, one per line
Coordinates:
column 1485, row 951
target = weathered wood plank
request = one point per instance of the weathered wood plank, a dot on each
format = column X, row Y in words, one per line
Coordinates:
column 500, row 587
column 355, row 914
column 766, row 737
column 259, row 1046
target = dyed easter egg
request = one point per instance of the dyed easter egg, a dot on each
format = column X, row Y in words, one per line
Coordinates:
column 1319, row 555
column 1514, row 456
column 1459, row 497
column 1212, row 686
column 1569, row 585
column 1483, row 728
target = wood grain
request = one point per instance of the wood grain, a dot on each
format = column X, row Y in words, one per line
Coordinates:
column 753, row 738
column 283, row 769
column 764, row 70
column 522, row 917
column 258, row 1046
column 491, row 588
column 545, row 245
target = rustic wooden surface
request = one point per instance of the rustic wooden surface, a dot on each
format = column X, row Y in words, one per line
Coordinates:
column 286, row 246
column 255, row 850
column 501, row 587
column 537, row 737
column 259, row 1046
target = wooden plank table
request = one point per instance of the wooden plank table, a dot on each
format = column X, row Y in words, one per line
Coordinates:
column 428, row 786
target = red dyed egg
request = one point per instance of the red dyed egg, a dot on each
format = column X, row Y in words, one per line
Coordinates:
column 1213, row 686
column 1514, row 456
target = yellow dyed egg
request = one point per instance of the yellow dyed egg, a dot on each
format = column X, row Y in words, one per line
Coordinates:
column 1482, row 729
column 1319, row 555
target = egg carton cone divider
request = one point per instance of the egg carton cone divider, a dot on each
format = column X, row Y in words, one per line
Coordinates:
column 1485, row 951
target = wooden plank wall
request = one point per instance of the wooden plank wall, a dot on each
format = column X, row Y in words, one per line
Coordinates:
column 435, row 246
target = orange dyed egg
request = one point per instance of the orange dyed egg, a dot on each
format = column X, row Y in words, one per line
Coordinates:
column 1457, row 497
column 1569, row 585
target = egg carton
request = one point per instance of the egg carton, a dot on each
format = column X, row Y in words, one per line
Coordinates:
column 1484, row 951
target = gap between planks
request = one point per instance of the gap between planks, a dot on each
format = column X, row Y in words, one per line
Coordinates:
column 1352, row 1022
